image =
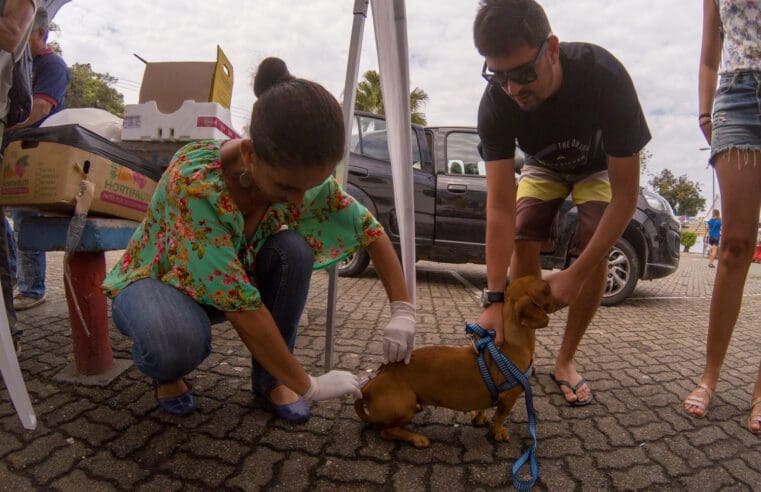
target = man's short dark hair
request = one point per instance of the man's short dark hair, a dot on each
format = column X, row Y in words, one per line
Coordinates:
column 501, row 26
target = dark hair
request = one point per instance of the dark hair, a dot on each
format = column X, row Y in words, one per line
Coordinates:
column 502, row 26
column 294, row 122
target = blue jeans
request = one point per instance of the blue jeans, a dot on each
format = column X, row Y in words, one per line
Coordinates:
column 30, row 270
column 11, row 239
column 736, row 113
column 171, row 332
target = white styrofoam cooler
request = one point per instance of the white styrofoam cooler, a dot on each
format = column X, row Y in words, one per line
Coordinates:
column 192, row 121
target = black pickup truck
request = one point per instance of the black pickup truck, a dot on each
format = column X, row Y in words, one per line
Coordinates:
column 450, row 208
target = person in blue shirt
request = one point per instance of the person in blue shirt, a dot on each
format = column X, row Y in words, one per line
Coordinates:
column 713, row 235
column 50, row 78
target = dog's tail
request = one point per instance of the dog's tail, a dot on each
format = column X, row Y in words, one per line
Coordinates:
column 361, row 409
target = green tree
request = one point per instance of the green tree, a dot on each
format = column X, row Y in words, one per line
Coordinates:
column 689, row 238
column 645, row 156
column 89, row 89
column 370, row 98
column 682, row 193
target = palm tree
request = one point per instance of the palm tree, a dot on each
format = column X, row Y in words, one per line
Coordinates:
column 370, row 98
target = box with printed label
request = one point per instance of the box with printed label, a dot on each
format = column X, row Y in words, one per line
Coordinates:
column 172, row 83
column 46, row 175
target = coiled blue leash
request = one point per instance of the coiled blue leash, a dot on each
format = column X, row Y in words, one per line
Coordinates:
column 484, row 340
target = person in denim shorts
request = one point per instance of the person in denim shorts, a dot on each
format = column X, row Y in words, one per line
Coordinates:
column 730, row 119
column 573, row 110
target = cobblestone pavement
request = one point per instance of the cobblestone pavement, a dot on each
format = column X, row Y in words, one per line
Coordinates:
column 641, row 359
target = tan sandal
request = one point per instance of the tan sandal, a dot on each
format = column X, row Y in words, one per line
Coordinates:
column 754, row 418
column 701, row 403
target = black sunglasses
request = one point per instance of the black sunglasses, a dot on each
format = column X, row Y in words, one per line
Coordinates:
column 522, row 75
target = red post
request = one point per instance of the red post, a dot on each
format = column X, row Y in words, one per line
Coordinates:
column 92, row 353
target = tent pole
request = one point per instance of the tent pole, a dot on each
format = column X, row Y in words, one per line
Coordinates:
column 349, row 97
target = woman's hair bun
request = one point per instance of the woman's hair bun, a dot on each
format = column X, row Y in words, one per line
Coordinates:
column 271, row 71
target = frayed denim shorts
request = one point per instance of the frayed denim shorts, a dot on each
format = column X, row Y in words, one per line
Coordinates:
column 737, row 113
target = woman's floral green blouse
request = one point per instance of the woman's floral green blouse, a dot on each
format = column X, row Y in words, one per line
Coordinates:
column 192, row 235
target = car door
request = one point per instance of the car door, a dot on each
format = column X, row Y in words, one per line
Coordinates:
column 460, row 193
column 370, row 171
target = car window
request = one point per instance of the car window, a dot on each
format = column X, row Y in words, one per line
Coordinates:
column 370, row 139
column 462, row 155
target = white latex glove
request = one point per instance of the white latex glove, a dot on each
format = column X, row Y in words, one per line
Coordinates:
column 399, row 336
column 333, row 384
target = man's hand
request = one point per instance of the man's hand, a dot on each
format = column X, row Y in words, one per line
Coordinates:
column 565, row 286
column 491, row 319
column 399, row 336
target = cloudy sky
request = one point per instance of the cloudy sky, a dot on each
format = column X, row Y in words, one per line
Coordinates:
column 657, row 40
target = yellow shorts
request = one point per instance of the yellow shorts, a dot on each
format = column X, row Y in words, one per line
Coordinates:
column 540, row 194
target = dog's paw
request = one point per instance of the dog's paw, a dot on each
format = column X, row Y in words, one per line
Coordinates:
column 479, row 419
column 501, row 434
column 420, row 442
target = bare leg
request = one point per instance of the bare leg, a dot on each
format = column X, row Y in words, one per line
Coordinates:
column 740, row 185
column 712, row 255
column 171, row 390
column 580, row 314
column 525, row 260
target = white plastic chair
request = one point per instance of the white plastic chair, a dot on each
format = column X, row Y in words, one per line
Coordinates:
column 11, row 372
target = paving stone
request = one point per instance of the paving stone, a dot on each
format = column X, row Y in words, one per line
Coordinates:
column 621, row 458
column 283, row 440
column 672, row 463
column 257, row 469
column 77, row 480
column 446, row 478
column 410, row 478
column 35, row 451
column 9, row 443
column 93, row 434
column 13, row 481
column 136, row 438
column 59, row 461
column 341, row 470
column 123, row 472
column 161, row 446
column 160, row 483
column 294, row 473
column 492, row 476
column 211, row 472
column 225, row 450
column 707, row 479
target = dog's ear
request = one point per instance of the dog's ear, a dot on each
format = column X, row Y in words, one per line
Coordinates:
column 529, row 314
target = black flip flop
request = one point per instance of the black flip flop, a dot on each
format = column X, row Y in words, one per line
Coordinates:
column 577, row 403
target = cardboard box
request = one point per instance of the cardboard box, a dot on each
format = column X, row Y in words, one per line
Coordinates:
column 172, row 83
column 47, row 175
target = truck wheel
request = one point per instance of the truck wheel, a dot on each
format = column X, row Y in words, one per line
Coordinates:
column 354, row 265
column 623, row 273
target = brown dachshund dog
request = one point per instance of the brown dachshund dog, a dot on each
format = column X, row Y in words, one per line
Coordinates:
column 449, row 377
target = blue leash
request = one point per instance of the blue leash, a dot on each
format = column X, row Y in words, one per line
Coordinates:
column 513, row 376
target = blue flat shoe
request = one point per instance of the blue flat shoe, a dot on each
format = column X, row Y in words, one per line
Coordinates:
column 180, row 405
column 297, row 412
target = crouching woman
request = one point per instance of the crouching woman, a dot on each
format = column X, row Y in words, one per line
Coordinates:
column 233, row 232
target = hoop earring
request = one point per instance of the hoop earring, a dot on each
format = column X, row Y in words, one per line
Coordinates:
column 245, row 180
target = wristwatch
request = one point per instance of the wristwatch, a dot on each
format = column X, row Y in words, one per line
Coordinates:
column 489, row 297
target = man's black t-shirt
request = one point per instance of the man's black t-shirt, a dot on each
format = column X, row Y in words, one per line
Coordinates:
column 594, row 113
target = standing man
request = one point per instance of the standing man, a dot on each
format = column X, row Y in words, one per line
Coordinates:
column 15, row 25
column 573, row 110
column 50, row 77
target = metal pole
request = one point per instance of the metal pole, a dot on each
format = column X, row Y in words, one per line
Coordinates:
column 352, row 74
